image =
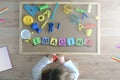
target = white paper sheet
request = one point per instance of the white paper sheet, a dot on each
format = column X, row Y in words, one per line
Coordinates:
column 5, row 62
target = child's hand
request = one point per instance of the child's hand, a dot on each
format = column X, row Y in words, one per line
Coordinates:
column 61, row 58
column 50, row 57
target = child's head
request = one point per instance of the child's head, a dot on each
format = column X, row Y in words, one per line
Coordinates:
column 55, row 73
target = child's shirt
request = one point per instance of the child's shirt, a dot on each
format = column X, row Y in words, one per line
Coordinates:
column 37, row 69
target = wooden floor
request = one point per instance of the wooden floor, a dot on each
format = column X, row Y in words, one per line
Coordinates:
column 91, row 67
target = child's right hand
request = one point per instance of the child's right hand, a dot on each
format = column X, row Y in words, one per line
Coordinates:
column 61, row 58
column 50, row 57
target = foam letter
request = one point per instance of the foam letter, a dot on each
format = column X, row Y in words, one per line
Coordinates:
column 36, row 41
column 53, row 41
column 45, row 40
column 62, row 42
column 88, row 42
column 74, row 19
column 70, row 41
column 79, row 41
column 47, row 13
column 55, row 9
column 32, row 10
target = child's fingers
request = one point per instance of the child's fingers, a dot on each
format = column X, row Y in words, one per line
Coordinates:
column 50, row 57
column 61, row 58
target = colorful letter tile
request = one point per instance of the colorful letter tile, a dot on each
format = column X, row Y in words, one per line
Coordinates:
column 45, row 40
column 70, row 41
column 79, row 41
column 62, row 42
column 36, row 41
column 88, row 42
column 53, row 41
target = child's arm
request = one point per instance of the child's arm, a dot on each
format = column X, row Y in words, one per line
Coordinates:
column 74, row 71
column 37, row 69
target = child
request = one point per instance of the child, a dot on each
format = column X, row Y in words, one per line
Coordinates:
column 47, row 69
